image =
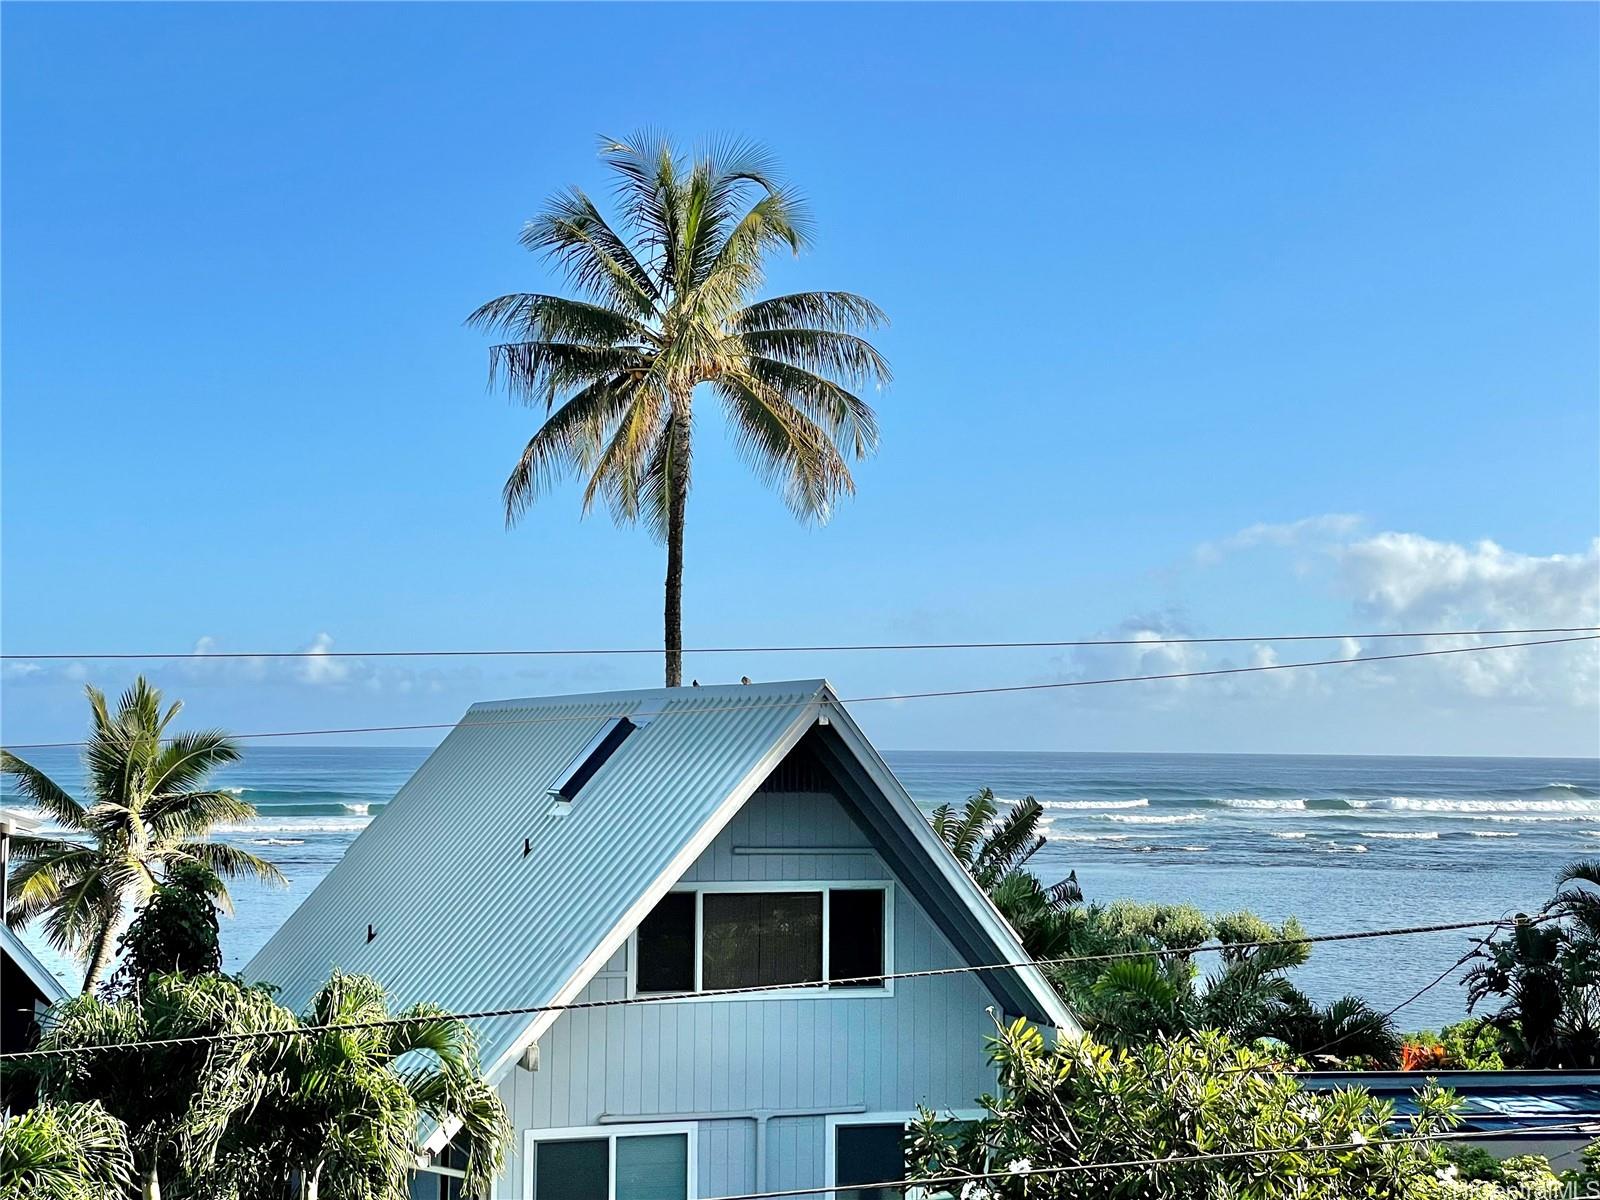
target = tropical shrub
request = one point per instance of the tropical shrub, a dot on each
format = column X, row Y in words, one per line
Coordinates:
column 1347, row 1033
column 175, row 932
column 1470, row 1045
column 1083, row 1103
column 329, row 1115
column 63, row 1152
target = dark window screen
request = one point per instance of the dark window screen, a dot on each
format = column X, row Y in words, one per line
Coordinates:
column 755, row 939
column 576, row 1170
column 855, row 935
column 666, row 946
column 869, row 1154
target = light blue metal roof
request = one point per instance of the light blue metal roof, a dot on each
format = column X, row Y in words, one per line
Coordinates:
column 463, row 917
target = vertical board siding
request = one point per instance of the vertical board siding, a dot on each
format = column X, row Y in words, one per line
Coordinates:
column 922, row 1045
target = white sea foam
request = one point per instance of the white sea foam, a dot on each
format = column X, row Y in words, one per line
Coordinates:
column 1292, row 835
column 1196, row 849
column 1497, row 833
column 1449, row 806
column 272, row 841
column 1074, row 805
column 272, row 825
column 1267, row 803
column 1345, row 848
column 1142, row 819
column 357, row 808
column 1410, row 836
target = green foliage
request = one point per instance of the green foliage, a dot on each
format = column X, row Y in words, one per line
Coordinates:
column 174, row 933
column 1084, row 1103
column 63, row 1152
column 332, row 1114
column 1547, row 980
column 1345, row 1031
column 1474, row 1044
column 995, row 850
column 1130, row 1001
column 150, row 812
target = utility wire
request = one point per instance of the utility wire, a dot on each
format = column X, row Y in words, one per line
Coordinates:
column 764, row 989
column 885, row 697
column 1132, row 1164
column 843, row 648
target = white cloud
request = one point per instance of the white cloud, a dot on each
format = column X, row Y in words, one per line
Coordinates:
column 318, row 668
column 1283, row 533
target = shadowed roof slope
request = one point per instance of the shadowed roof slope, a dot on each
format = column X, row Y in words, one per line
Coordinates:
column 464, row 915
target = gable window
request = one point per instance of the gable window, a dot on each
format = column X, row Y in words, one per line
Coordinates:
column 721, row 936
column 632, row 1162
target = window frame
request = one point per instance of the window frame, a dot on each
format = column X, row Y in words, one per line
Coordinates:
column 832, row 1122
column 822, row 988
column 577, row 1133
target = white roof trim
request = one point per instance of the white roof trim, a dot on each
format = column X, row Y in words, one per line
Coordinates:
column 961, row 882
column 51, row 988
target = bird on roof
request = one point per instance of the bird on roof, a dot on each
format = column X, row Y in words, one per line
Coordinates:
column 744, row 679
column 694, row 683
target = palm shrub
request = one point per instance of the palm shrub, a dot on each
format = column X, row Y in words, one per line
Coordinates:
column 996, row 851
column 667, row 303
column 150, row 811
column 1081, row 1103
column 1347, row 1032
column 63, row 1152
column 1546, row 978
column 339, row 1119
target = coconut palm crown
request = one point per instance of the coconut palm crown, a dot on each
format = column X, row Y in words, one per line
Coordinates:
column 667, row 304
column 150, row 810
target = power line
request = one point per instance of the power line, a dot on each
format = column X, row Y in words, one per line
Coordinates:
column 947, row 693
column 843, row 648
column 1132, row 1164
column 763, row 989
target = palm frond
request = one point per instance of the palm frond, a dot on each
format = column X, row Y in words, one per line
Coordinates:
column 535, row 372
column 785, row 447
column 193, row 814
column 849, row 420
column 185, row 762
column 570, row 438
column 42, row 791
column 1010, row 842
column 533, row 317
column 841, row 312
column 597, row 261
column 229, row 862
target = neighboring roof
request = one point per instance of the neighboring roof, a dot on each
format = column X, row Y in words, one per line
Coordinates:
column 461, row 909
column 18, row 951
column 1512, row 1102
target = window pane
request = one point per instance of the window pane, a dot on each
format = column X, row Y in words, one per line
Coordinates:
column 754, row 939
column 869, row 1154
column 666, row 946
column 653, row 1168
column 576, row 1170
column 855, row 935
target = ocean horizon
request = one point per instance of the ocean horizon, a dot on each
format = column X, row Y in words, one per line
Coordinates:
column 1344, row 842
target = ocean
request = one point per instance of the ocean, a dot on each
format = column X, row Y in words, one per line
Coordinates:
column 1341, row 842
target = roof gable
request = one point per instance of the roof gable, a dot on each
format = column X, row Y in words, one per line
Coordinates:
column 480, row 896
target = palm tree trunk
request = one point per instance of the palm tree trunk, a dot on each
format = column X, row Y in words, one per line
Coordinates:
column 100, row 957
column 677, row 503
column 150, row 1186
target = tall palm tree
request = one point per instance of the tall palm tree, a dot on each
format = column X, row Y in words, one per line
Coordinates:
column 667, row 304
column 150, row 810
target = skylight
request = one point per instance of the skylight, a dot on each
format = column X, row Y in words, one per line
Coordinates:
column 591, row 758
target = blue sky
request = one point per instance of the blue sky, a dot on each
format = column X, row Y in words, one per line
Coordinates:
column 1209, row 320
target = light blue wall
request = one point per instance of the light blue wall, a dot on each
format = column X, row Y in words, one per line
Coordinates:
column 923, row 1044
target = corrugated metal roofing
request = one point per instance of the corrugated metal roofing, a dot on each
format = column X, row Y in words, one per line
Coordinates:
column 462, row 917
